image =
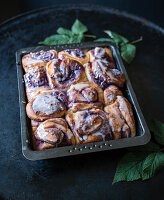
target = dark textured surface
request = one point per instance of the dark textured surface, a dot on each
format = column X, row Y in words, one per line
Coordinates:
column 86, row 176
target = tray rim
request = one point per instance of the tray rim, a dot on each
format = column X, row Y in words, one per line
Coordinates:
column 83, row 148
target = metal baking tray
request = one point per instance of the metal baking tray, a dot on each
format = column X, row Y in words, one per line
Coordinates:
column 143, row 135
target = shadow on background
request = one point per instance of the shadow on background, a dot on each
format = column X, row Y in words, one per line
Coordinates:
column 149, row 9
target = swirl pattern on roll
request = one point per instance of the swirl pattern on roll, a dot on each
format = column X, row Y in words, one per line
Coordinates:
column 35, row 80
column 54, row 132
column 85, row 93
column 75, row 54
column 119, row 112
column 37, row 60
column 47, row 104
column 89, row 125
column 99, row 72
column 63, row 73
column 103, row 54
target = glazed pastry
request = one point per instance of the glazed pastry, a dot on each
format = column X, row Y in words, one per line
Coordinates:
column 99, row 72
column 104, row 54
column 89, row 125
column 34, row 81
column 63, row 73
column 85, row 93
column 47, row 104
column 53, row 132
column 75, row 54
column 120, row 113
column 38, row 60
column 111, row 93
column 39, row 145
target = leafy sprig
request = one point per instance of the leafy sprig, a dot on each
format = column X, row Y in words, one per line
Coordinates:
column 77, row 35
column 144, row 161
column 66, row 36
column 127, row 48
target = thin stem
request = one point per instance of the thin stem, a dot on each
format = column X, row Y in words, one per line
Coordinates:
column 138, row 40
column 91, row 36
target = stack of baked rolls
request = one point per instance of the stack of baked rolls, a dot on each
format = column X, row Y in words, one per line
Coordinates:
column 74, row 97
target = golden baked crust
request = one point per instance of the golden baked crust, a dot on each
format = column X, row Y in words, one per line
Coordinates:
column 90, row 125
column 74, row 54
column 63, row 73
column 38, row 60
column 45, row 105
column 53, row 132
column 99, row 73
column 36, row 80
column 79, row 90
column 103, row 54
column 85, row 93
column 120, row 113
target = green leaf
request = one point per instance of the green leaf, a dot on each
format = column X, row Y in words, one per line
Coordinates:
column 63, row 31
column 55, row 39
column 104, row 40
column 157, row 128
column 129, row 167
column 76, row 38
column 151, row 147
column 119, row 39
column 128, row 52
column 78, row 27
column 151, row 164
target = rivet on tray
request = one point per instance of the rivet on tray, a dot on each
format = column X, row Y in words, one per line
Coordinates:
column 95, row 145
column 85, row 147
column 105, row 144
column 110, row 145
column 80, row 149
column 26, row 141
column 100, row 146
column 70, row 150
column 90, row 148
column 75, row 148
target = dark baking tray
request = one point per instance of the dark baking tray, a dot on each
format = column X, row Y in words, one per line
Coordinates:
column 143, row 135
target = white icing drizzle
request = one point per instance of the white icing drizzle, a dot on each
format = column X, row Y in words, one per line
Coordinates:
column 79, row 86
column 99, row 52
column 85, row 137
column 99, row 134
column 99, row 69
column 47, row 104
column 32, row 61
column 41, row 132
column 116, row 71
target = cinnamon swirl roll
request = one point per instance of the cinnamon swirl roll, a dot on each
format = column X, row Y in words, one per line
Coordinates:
column 38, row 60
column 34, row 81
column 103, row 54
column 119, row 112
column 52, row 133
column 85, row 93
column 89, row 125
column 39, row 145
column 47, row 104
column 75, row 54
column 63, row 73
column 99, row 72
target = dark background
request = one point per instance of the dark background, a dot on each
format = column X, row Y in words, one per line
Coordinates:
column 149, row 9
column 86, row 176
